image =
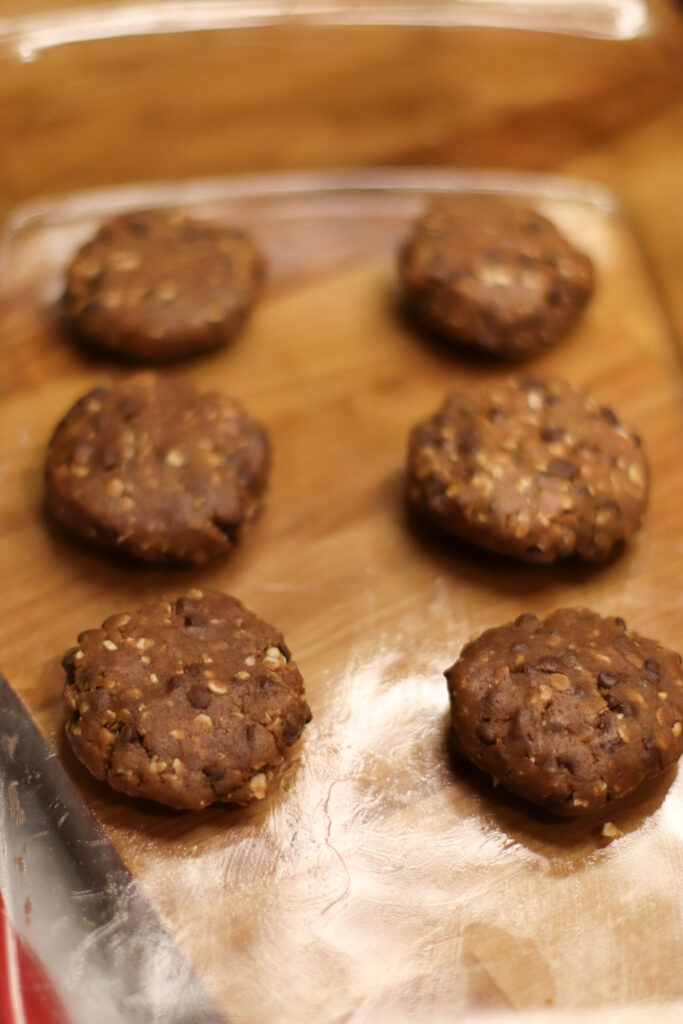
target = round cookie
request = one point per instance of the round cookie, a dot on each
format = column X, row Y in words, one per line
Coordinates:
column 533, row 468
column 157, row 469
column 571, row 712
column 154, row 285
column 493, row 276
column 185, row 702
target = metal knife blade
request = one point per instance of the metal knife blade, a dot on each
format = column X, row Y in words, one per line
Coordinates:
column 103, row 947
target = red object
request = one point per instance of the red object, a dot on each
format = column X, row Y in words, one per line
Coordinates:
column 26, row 994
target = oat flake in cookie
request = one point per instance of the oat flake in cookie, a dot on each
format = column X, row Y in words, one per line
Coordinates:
column 570, row 712
column 157, row 469
column 155, row 285
column 493, row 276
column 533, row 468
column 185, row 702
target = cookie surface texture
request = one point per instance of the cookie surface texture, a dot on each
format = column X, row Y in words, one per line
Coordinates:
column 155, row 285
column 538, row 469
column 188, row 701
column 570, row 712
column 157, row 469
column 493, row 276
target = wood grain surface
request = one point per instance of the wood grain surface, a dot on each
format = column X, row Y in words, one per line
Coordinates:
column 387, row 880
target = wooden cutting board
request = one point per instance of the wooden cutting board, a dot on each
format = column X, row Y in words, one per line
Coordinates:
column 385, row 881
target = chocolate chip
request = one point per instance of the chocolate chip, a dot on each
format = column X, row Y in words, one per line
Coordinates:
column 606, row 680
column 109, row 457
column 199, row 697
column 552, row 433
column 486, row 733
column 129, row 734
column 81, row 452
column 520, row 648
column 651, row 666
column 105, row 534
column 467, row 442
column 128, row 407
column 137, row 227
column 525, row 617
column 618, row 621
column 619, row 706
column 570, row 762
column 549, row 664
column 290, row 728
column 609, row 746
column 184, row 606
column 69, row 665
column 562, row 467
column 194, row 619
column 495, row 415
column 609, row 415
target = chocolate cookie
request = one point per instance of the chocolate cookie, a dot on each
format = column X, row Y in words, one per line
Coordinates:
column 158, row 469
column 493, row 276
column 186, row 702
column 155, row 285
column 533, row 468
column 570, row 712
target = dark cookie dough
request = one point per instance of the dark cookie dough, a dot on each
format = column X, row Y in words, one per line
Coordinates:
column 493, row 276
column 533, row 468
column 570, row 712
column 157, row 469
column 155, row 285
column 186, row 702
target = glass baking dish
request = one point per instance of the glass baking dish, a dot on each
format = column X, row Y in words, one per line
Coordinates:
column 385, row 883
column 385, row 880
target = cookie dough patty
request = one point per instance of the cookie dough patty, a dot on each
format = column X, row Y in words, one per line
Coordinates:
column 156, row 285
column 186, row 702
column 570, row 712
column 157, row 469
column 494, row 276
column 533, row 468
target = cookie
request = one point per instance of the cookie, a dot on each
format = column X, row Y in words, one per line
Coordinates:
column 533, row 468
column 185, row 702
column 155, row 285
column 493, row 276
column 571, row 712
column 157, row 469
